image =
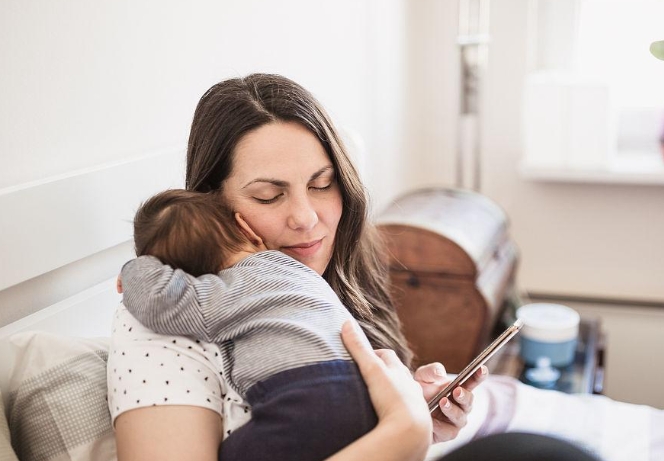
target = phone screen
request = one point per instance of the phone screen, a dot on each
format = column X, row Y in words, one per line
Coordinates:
column 477, row 362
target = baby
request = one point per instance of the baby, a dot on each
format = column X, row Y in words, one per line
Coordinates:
column 202, row 272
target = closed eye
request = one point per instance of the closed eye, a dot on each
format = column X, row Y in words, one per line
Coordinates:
column 322, row 188
column 267, row 201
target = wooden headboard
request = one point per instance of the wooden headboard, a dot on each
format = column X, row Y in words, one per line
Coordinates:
column 50, row 223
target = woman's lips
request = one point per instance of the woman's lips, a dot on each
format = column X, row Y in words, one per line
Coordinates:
column 304, row 249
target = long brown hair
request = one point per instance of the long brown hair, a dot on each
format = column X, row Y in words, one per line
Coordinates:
column 231, row 109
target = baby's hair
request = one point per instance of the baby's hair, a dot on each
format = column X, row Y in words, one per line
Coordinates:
column 187, row 230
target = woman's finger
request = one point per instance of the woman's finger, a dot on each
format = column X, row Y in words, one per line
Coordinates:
column 431, row 373
column 478, row 377
column 451, row 413
column 463, row 398
column 358, row 346
column 391, row 359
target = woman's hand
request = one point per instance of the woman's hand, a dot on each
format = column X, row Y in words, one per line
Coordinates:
column 453, row 414
column 404, row 424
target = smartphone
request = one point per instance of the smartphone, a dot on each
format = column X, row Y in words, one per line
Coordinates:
column 477, row 362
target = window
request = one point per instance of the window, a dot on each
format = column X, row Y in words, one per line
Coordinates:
column 594, row 99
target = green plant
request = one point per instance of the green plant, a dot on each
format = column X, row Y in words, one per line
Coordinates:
column 657, row 49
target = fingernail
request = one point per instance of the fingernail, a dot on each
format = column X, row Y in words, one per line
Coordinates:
column 439, row 371
column 461, row 394
column 447, row 404
column 484, row 370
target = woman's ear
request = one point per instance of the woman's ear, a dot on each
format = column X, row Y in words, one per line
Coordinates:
column 248, row 231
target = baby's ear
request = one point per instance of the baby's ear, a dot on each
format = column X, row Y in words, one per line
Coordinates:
column 248, row 231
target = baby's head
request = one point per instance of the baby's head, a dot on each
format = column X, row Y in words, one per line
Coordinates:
column 187, row 230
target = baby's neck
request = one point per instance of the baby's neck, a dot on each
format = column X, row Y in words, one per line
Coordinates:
column 238, row 256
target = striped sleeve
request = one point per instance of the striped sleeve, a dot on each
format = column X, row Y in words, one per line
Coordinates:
column 170, row 301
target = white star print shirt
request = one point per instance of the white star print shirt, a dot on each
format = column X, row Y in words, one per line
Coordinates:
column 146, row 369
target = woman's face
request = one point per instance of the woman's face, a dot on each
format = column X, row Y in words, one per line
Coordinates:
column 283, row 184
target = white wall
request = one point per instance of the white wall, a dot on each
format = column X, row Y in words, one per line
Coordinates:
column 600, row 241
column 433, row 92
column 88, row 85
column 589, row 240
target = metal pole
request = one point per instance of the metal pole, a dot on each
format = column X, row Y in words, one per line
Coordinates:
column 473, row 39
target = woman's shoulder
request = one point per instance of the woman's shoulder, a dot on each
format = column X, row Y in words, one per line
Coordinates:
column 146, row 369
column 129, row 333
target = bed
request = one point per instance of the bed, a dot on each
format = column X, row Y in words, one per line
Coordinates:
column 53, row 387
column 52, row 367
column 63, row 240
column 53, row 379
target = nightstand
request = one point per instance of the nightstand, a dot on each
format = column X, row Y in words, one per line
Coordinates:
column 584, row 376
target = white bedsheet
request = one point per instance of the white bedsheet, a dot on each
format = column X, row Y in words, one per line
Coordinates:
column 614, row 431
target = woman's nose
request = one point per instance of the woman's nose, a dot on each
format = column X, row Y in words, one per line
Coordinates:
column 302, row 215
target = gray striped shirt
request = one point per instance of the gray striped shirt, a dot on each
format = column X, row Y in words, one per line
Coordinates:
column 268, row 313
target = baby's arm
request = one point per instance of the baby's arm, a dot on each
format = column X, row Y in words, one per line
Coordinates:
column 171, row 302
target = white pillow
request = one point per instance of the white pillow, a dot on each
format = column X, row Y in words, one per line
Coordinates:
column 57, row 408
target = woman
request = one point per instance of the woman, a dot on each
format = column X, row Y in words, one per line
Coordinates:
column 272, row 151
